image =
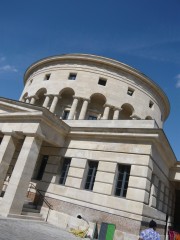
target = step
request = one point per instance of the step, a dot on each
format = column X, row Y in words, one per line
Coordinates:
column 30, row 210
column 26, row 217
column 31, row 214
column 29, row 206
column 28, row 201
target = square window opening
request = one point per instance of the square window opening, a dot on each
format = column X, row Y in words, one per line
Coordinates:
column 102, row 82
column 47, row 77
column 130, row 91
column 72, row 76
column 30, row 82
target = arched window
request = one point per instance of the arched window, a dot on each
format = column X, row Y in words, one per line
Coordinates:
column 126, row 112
column 40, row 96
column 23, row 99
column 66, row 100
column 96, row 106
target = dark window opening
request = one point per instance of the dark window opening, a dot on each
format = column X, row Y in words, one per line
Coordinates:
column 102, row 82
column 64, row 170
column 72, row 76
column 151, row 104
column 130, row 91
column 91, row 117
column 92, row 169
column 122, row 180
column 0, row 140
column 65, row 114
column 42, row 167
column 30, row 81
column 47, row 77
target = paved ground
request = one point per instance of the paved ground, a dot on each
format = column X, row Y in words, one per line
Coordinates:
column 15, row 229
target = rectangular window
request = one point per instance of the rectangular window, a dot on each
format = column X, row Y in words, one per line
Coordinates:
column 130, row 91
column 65, row 114
column 91, row 174
column 90, row 117
column 64, row 170
column 102, row 82
column 0, row 140
column 165, row 200
column 72, row 76
column 42, row 167
column 122, row 180
column 160, row 197
column 47, row 77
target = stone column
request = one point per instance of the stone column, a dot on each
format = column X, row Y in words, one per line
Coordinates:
column 73, row 108
column 84, row 109
column 106, row 112
column 116, row 113
column 33, row 99
column 46, row 101
column 54, row 103
column 7, row 149
column 16, row 191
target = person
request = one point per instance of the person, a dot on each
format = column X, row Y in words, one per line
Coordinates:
column 150, row 233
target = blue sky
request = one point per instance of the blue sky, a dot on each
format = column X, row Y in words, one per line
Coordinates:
column 144, row 34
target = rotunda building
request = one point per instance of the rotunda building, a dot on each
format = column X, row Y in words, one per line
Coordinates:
column 86, row 139
column 80, row 86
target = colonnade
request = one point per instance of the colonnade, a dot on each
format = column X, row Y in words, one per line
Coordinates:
column 84, row 108
column 16, row 191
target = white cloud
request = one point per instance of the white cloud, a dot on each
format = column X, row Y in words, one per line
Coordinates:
column 178, row 81
column 5, row 67
column 8, row 68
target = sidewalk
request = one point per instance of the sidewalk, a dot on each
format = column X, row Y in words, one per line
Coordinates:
column 15, row 229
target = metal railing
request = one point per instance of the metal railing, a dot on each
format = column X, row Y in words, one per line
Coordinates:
column 39, row 198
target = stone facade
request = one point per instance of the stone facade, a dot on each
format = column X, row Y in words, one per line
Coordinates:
column 88, row 132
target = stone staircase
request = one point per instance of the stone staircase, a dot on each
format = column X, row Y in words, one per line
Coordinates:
column 29, row 212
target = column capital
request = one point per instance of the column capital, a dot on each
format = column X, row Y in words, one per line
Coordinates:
column 36, row 136
column 15, row 134
column 21, row 135
column 108, row 105
column 34, row 96
column 54, row 95
column 117, row 108
column 48, row 95
column 86, row 99
column 76, row 97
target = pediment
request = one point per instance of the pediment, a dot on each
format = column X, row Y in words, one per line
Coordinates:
column 12, row 106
